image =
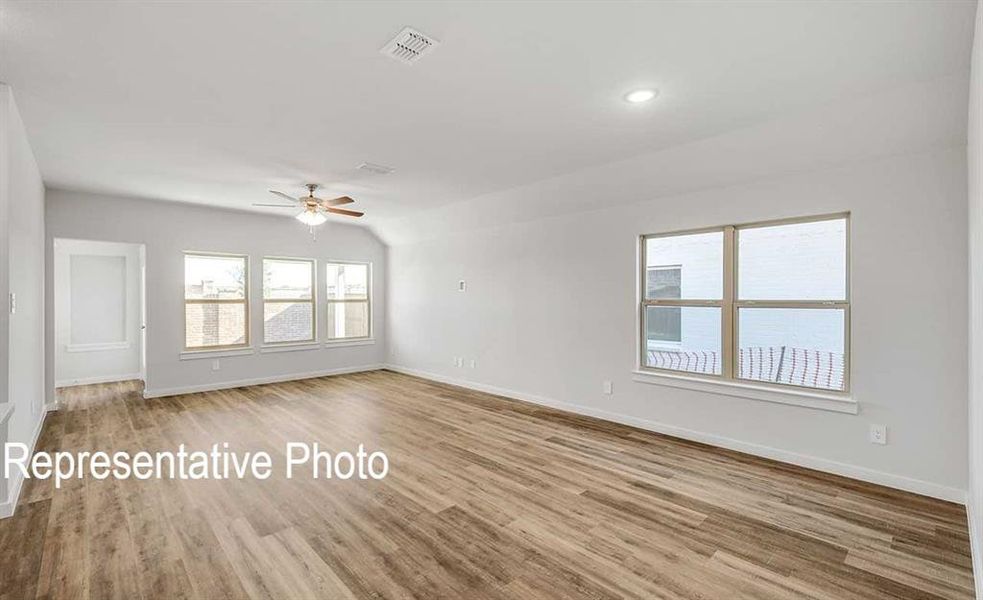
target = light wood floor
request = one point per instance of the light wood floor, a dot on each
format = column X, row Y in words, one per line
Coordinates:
column 486, row 498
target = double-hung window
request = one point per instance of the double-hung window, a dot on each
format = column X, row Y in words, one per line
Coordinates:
column 216, row 301
column 349, row 289
column 763, row 302
column 288, row 300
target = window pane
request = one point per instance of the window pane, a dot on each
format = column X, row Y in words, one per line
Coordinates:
column 288, row 322
column 663, row 282
column 683, row 338
column 348, row 320
column 801, row 261
column 214, row 324
column 214, row 277
column 348, row 282
column 699, row 259
column 798, row 346
column 287, row 279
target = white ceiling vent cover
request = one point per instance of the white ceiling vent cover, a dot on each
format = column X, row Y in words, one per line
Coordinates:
column 409, row 46
column 375, row 168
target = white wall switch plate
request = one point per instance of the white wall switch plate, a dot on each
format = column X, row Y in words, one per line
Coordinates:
column 473, row 363
column 216, row 365
column 608, row 388
column 878, row 434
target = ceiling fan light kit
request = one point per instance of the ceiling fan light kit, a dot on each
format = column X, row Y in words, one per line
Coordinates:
column 313, row 209
column 311, row 218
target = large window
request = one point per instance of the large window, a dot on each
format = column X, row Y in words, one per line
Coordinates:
column 765, row 302
column 288, row 300
column 349, row 286
column 216, row 301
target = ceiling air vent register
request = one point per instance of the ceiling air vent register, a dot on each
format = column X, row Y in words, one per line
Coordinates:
column 375, row 168
column 409, row 46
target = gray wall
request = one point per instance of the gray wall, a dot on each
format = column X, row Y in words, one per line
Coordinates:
column 168, row 229
column 550, row 312
column 974, row 502
column 21, row 272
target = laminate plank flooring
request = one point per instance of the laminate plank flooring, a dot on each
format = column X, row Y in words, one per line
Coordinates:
column 486, row 498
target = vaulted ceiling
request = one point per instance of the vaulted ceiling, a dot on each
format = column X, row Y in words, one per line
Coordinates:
column 215, row 103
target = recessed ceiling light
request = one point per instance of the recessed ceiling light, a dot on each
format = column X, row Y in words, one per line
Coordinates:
column 639, row 96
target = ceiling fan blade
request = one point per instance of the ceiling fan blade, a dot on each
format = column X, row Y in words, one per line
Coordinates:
column 335, row 201
column 341, row 211
column 282, row 195
column 276, row 205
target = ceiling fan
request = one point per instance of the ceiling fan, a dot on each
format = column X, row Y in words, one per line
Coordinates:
column 313, row 208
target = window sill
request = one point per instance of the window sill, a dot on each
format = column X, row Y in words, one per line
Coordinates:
column 289, row 347
column 217, row 353
column 101, row 347
column 794, row 397
column 342, row 343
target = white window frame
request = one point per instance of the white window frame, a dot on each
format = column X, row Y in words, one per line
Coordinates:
column 328, row 340
column 312, row 300
column 730, row 305
column 667, row 344
column 244, row 301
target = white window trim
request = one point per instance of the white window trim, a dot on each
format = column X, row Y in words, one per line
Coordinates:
column 369, row 301
column 726, row 383
column 216, row 353
column 342, row 342
column 313, row 302
column 289, row 347
column 766, row 393
column 246, row 301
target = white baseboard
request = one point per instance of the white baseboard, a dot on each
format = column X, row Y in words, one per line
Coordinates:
column 100, row 379
column 8, row 506
column 975, row 539
column 225, row 385
column 917, row 486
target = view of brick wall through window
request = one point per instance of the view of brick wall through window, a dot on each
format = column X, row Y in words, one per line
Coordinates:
column 215, row 297
column 214, row 325
column 287, row 321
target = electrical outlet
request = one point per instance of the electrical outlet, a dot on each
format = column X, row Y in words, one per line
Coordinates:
column 608, row 388
column 878, row 434
column 458, row 361
column 462, row 286
column 216, row 365
column 13, row 303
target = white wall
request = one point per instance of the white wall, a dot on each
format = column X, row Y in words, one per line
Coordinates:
column 974, row 159
column 167, row 229
column 92, row 324
column 22, row 273
column 550, row 307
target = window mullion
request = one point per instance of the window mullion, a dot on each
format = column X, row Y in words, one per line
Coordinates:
column 727, row 320
column 791, row 303
column 662, row 302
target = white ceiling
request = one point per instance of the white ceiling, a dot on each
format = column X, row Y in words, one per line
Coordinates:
column 217, row 102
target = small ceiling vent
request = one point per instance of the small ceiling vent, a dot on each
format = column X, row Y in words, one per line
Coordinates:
column 374, row 168
column 409, row 46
